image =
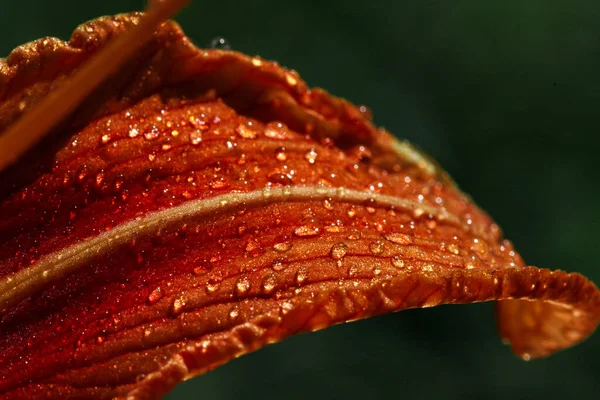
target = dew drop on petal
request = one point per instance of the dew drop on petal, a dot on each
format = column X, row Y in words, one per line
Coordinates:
column 282, row 247
column 276, row 130
column 246, row 131
column 481, row 249
column 399, row 238
column 281, row 179
column 338, row 251
column 155, row 295
column 212, row 285
column 234, row 313
column 151, row 134
column 377, row 247
column 397, row 262
column 307, row 231
column 242, row 286
column 195, row 138
column 452, row 248
column 278, row 265
column 311, row 156
column 280, row 154
column 300, row 276
column 268, row 284
column 178, row 305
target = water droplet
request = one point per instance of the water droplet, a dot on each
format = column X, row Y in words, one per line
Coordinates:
column 220, row 43
column 328, row 204
column 452, row 248
column 155, row 295
column 246, row 131
column 99, row 179
column 251, row 245
column 133, row 132
column 481, row 249
column 397, row 262
column 279, row 178
column 219, row 184
column 307, row 231
column 278, row 265
column 268, row 284
column 234, row 313
column 212, row 285
column 286, row 307
column 377, row 247
column 311, row 156
column 276, row 130
column 399, row 238
column 300, row 276
column 338, row 251
column 195, row 138
column 105, row 138
column 178, row 305
column 281, row 156
column 242, row 286
column 151, row 134
column 282, row 247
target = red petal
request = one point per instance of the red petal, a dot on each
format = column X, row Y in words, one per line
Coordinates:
column 204, row 203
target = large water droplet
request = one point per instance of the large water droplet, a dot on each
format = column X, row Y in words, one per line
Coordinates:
column 276, row 130
column 242, row 286
column 212, row 285
column 481, row 249
column 399, row 238
column 377, row 247
column 282, row 247
column 338, row 251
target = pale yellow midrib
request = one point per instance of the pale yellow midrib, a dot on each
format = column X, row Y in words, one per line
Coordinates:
column 52, row 267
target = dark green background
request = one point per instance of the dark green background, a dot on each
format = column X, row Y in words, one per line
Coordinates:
column 504, row 93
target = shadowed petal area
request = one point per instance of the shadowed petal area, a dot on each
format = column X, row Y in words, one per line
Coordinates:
column 204, row 203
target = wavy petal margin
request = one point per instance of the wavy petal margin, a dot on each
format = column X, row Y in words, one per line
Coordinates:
column 204, row 203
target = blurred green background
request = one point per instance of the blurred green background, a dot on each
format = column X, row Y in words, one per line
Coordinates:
column 504, row 93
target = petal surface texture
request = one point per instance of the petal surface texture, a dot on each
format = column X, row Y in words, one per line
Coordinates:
column 203, row 203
